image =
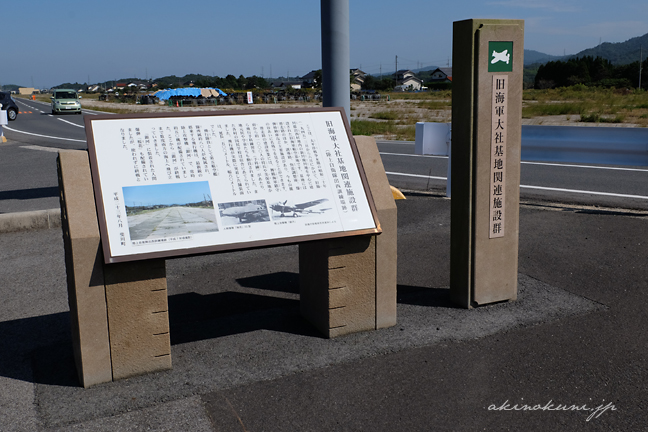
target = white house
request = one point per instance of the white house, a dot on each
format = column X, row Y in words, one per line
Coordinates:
column 407, row 80
column 358, row 79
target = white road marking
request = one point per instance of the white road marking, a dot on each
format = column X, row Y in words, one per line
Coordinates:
column 532, row 163
column 414, row 155
column 394, row 142
column 73, row 124
column 41, row 148
column 586, row 192
column 43, row 136
column 536, row 187
column 416, row 175
column 85, row 111
column 586, row 166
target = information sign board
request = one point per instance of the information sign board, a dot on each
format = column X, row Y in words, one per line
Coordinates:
column 180, row 184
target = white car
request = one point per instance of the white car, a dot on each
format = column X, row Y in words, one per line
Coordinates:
column 65, row 100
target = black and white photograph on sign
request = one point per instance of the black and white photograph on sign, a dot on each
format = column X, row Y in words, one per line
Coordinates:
column 289, row 208
column 236, row 213
column 169, row 210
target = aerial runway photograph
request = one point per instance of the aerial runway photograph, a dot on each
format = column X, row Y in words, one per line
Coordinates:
column 169, row 210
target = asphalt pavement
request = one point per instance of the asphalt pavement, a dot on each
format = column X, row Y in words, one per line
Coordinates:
column 572, row 349
column 244, row 360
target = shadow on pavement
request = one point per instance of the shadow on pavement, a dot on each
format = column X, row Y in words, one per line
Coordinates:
column 43, row 192
column 192, row 317
column 38, row 350
column 287, row 282
column 421, row 296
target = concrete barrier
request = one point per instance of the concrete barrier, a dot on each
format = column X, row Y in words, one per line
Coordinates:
column 23, row 221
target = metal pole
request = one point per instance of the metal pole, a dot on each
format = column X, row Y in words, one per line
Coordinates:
column 336, row 57
column 640, row 60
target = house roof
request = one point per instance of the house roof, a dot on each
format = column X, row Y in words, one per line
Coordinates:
column 309, row 76
column 403, row 72
column 446, row 71
column 411, row 78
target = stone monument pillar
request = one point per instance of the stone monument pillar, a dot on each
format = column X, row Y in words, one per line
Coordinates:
column 486, row 135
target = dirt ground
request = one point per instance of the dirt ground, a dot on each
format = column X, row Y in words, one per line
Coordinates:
column 405, row 111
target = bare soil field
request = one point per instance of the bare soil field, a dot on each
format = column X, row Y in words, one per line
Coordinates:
column 402, row 111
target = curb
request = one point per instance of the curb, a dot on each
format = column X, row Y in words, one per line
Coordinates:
column 31, row 220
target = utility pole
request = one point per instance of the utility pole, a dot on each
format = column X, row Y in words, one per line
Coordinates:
column 396, row 72
column 640, row 61
column 599, row 47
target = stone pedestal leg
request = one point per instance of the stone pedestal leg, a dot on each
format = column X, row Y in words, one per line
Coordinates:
column 337, row 284
column 118, row 312
column 349, row 284
column 136, row 296
column 84, row 265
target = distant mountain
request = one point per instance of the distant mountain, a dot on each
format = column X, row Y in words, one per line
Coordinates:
column 536, row 57
column 417, row 71
column 10, row 87
column 619, row 53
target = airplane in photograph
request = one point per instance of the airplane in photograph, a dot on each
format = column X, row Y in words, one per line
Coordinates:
column 247, row 213
column 303, row 208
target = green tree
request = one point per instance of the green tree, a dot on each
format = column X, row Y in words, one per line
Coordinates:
column 241, row 82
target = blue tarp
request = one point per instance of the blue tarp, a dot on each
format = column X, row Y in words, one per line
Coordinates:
column 190, row 91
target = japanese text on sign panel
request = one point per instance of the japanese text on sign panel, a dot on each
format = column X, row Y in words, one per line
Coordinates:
column 498, row 156
column 209, row 180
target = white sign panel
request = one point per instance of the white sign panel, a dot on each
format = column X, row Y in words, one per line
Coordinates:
column 178, row 185
column 499, row 126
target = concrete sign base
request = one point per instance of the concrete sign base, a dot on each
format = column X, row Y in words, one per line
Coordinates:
column 119, row 311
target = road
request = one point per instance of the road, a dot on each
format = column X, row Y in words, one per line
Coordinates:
column 244, row 359
column 171, row 221
column 37, row 126
column 27, row 164
column 609, row 186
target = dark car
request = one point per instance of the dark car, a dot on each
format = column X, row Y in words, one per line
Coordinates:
column 9, row 105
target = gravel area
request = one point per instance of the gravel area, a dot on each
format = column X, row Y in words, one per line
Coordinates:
column 404, row 110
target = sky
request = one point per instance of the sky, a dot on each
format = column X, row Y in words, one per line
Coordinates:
column 166, row 194
column 54, row 42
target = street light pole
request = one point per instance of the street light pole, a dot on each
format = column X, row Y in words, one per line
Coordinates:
column 336, row 57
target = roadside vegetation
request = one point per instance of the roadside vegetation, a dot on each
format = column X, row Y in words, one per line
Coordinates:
column 588, row 104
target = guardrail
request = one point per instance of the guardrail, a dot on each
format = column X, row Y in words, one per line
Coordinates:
column 573, row 144
column 596, row 145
